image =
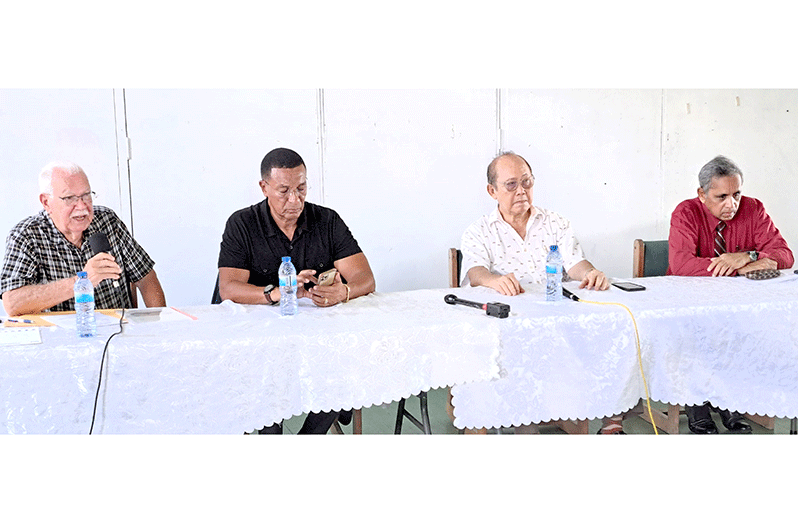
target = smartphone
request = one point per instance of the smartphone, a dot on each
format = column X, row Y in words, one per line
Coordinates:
column 629, row 286
column 327, row 278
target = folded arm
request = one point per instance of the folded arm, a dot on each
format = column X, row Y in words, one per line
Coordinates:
column 506, row 284
column 590, row 277
column 234, row 286
column 34, row 298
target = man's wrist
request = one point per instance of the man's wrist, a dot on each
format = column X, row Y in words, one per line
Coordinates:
column 267, row 293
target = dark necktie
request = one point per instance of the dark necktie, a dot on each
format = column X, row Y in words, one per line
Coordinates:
column 720, row 243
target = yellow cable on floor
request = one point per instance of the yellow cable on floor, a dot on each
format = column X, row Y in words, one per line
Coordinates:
column 639, row 355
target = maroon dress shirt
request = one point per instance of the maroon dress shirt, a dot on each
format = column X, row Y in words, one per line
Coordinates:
column 692, row 237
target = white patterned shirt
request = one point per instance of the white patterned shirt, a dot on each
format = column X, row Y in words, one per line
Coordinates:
column 492, row 243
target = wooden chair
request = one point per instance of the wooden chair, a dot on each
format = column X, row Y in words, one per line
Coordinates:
column 402, row 413
column 569, row 426
column 357, row 415
column 650, row 258
column 423, row 425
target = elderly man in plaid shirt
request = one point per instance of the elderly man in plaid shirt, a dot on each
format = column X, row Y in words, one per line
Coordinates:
column 45, row 251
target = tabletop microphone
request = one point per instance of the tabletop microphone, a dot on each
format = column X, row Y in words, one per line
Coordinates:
column 99, row 243
column 498, row 310
column 569, row 294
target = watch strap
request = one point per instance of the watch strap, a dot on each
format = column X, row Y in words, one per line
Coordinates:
column 267, row 292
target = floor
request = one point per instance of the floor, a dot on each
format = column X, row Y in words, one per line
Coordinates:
column 381, row 419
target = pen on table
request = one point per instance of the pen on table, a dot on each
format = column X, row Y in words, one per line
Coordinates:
column 19, row 321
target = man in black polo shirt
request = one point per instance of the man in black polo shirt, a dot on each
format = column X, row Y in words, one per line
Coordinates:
column 256, row 238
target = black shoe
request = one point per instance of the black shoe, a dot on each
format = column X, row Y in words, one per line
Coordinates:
column 734, row 422
column 276, row 428
column 345, row 417
column 699, row 419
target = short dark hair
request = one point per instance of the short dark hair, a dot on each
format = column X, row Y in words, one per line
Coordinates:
column 717, row 167
column 492, row 165
column 280, row 158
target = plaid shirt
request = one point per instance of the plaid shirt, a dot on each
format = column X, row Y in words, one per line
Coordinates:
column 37, row 252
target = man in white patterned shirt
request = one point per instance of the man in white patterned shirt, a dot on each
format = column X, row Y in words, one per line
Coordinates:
column 506, row 249
column 44, row 252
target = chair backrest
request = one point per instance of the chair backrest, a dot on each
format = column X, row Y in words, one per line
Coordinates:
column 216, row 298
column 455, row 262
column 650, row 258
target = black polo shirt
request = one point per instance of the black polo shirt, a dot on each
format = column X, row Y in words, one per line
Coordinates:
column 253, row 241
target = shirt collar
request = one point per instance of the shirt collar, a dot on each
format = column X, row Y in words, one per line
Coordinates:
column 58, row 237
column 496, row 217
column 711, row 218
column 271, row 226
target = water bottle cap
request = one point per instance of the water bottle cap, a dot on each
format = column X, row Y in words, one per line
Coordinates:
column 286, row 259
column 83, row 274
column 553, row 248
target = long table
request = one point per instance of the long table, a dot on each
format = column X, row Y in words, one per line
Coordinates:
column 237, row 368
column 732, row 341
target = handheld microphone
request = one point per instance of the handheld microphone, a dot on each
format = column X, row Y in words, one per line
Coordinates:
column 99, row 243
column 495, row 309
column 569, row 294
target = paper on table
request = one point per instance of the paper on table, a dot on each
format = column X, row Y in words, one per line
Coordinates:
column 103, row 318
column 27, row 320
column 156, row 314
column 20, row 336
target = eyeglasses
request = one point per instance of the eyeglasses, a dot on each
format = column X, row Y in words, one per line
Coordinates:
column 284, row 192
column 512, row 185
column 86, row 197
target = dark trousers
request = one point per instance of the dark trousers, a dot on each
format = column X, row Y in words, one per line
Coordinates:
column 314, row 424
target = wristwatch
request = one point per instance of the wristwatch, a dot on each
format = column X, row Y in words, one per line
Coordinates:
column 267, row 291
column 753, row 255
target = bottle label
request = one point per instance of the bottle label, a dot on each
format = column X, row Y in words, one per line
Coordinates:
column 552, row 269
column 84, row 298
column 287, row 280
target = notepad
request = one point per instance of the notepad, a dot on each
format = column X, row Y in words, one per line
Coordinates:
column 20, row 336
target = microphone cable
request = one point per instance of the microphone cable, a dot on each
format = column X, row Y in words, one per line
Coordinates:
column 569, row 294
column 102, row 362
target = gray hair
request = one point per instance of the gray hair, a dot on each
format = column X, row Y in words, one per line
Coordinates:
column 492, row 165
column 718, row 167
column 46, row 176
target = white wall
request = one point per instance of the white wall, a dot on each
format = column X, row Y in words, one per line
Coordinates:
column 404, row 168
column 595, row 156
column 38, row 126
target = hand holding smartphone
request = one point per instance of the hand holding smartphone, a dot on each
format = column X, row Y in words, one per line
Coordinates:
column 327, row 278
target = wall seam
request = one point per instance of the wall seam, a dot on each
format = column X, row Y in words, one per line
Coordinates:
column 660, row 224
column 499, row 137
column 322, row 141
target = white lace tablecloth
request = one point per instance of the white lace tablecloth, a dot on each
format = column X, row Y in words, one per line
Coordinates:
column 238, row 368
column 732, row 341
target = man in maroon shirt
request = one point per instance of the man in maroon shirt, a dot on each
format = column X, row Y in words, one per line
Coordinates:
column 722, row 233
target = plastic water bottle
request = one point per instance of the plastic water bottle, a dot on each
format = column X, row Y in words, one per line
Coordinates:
column 553, row 275
column 287, row 273
column 84, row 306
